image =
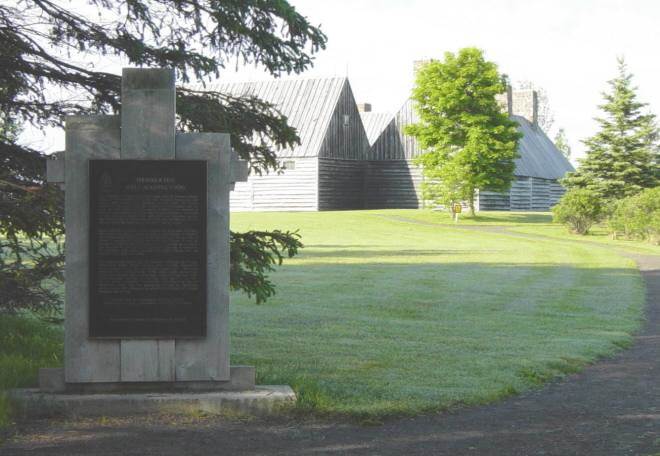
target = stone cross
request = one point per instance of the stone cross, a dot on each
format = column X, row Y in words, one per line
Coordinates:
column 144, row 131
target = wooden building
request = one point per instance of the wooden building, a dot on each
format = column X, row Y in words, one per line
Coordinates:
column 326, row 170
column 352, row 158
column 393, row 180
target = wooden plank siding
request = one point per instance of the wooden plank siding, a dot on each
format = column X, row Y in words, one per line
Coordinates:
column 540, row 194
column 392, row 143
column 328, row 171
column 526, row 194
column 341, row 157
column 348, row 160
column 292, row 190
column 494, row 201
column 521, row 194
column 393, row 184
column 341, row 184
column 556, row 191
column 345, row 137
column 535, row 187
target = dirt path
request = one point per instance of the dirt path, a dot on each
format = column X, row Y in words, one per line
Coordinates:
column 610, row 408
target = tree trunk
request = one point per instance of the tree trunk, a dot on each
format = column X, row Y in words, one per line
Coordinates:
column 472, row 206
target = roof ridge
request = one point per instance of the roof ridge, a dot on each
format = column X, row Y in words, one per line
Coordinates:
column 304, row 101
column 220, row 81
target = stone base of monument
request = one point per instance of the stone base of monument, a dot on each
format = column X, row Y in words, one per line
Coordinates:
column 32, row 403
column 241, row 378
column 54, row 397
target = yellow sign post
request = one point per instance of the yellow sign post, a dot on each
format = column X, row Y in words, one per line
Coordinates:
column 456, row 209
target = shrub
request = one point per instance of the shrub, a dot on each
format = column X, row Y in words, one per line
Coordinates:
column 579, row 208
column 637, row 217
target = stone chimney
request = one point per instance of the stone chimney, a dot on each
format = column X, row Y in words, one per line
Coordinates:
column 525, row 103
column 364, row 107
column 505, row 100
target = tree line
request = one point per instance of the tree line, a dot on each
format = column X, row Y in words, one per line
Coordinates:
column 618, row 178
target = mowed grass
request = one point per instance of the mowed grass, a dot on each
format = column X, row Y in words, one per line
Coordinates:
column 379, row 316
column 539, row 223
column 26, row 344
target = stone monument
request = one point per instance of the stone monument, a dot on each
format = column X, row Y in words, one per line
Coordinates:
column 147, row 258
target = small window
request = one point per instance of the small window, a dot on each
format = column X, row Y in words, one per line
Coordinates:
column 347, row 120
column 289, row 164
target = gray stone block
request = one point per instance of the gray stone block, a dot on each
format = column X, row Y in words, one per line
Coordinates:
column 31, row 403
column 85, row 360
column 243, row 377
column 148, row 79
column 208, row 359
column 148, row 132
column 51, row 380
column 239, row 170
column 148, row 109
column 147, row 360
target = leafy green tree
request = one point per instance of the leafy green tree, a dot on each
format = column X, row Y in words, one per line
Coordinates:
column 41, row 81
column 622, row 158
column 580, row 209
column 469, row 143
column 561, row 142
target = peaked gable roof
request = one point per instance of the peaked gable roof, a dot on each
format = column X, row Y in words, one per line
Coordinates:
column 539, row 157
column 308, row 105
column 374, row 124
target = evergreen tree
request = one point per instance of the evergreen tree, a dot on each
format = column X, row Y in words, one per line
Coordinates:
column 622, row 158
column 41, row 81
column 470, row 144
column 561, row 143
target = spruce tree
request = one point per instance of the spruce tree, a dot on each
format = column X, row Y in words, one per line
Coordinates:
column 47, row 72
column 622, row 158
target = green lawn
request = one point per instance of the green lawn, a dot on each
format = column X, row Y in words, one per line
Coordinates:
column 539, row 223
column 481, row 218
column 26, row 344
column 382, row 316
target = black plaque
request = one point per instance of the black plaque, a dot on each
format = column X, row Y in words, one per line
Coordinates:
column 147, row 268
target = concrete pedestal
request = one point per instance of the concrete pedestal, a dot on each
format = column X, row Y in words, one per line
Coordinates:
column 241, row 378
column 32, row 403
column 55, row 397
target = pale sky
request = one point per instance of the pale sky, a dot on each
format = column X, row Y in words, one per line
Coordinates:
column 567, row 47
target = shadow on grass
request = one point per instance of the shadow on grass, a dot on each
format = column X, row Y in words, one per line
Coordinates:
column 311, row 252
column 487, row 327
column 522, row 218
